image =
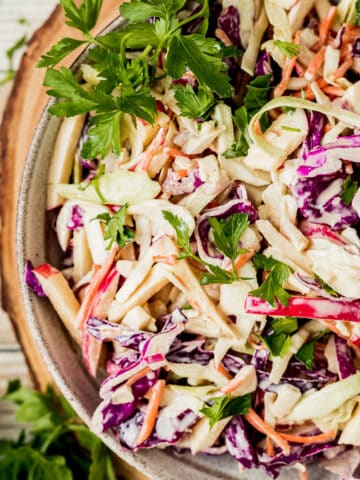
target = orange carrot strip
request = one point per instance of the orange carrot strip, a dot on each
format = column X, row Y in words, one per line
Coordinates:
column 221, row 369
column 270, row 447
column 322, row 437
column 151, row 413
column 258, row 423
column 244, row 257
column 93, row 287
column 137, row 376
column 326, row 23
column 287, row 70
column 327, row 127
column 221, row 35
column 232, row 385
column 174, row 152
column 335, row 91
column 151, row 150
column 344, row 67
column 315, row 64
column 303, row 475
column 182, row 173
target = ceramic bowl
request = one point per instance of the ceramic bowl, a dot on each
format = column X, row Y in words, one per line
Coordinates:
column 36, row 241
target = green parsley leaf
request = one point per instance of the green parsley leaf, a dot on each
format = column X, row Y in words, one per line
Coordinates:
column 85, row 16
column 104, row 134
column 348, row 190
column 228, row 232
column 326, row 287
column 59, row 51
column 194, row 105
column 203, row 57
column 284, row 325
column 288, row 48
column 115, row 228
column 279, row 342
column 226, row 406
column 357, row 15
column 272, row 289
column 216, row 274
column 182, row 233
column 306, row 353
column 279, row 345
column 256, row 97
column 139, row 36
column 140, row 10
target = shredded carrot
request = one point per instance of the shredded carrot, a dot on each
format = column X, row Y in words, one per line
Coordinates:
column 335, row 91
column 221, row 369
column 308, row 93
column 322, row 437
column 327, row 127
column 232, row 385
column 287, row 70
column 299, row 69
column 258, row 423
column 182, row 173
column 152, row 411
column 331, row 326
column 168, row 259
column 221, row 35
column 344, row 67
column 137, row 376
column 315, row 64
column 325, row 25
column 95, row 282
column 270, row 447
column 303, row 475
column 244, row 257
column 174, row 152
column 152, row 149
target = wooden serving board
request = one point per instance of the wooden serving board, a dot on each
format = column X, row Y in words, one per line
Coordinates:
column 23, row 109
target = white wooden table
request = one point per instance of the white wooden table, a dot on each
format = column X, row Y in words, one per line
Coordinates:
column 17, row 18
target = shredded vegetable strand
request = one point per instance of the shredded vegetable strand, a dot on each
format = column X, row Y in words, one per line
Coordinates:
column 151, row 412
column 259, row 424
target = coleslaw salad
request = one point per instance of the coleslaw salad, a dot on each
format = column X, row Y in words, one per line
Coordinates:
column 212, row 256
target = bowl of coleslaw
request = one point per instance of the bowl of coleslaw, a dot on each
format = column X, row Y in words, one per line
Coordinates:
column 188, row 235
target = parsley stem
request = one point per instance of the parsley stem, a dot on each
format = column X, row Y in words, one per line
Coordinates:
column 92, row 39
column 146, row 51
column 200, row 13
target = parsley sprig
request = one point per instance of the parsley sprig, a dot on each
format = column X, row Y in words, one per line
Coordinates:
column 124, row 83
column 56, row 445
column 272, row 289
column 279, row 341
column 306, row 353
column 115, row 228
column 226, row 406
column 256, row 97
column 194, row 105
column 227, row 235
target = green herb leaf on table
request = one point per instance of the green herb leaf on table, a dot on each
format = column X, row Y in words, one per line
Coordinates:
column 272, row 289
column 348, row 190
column 192, row 104
column 57, row 447
column 10, row 53
column 226, row 406
column 287, row 48
column 115, row 228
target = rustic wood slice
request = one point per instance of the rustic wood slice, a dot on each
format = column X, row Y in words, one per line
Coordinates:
column 24, row 107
